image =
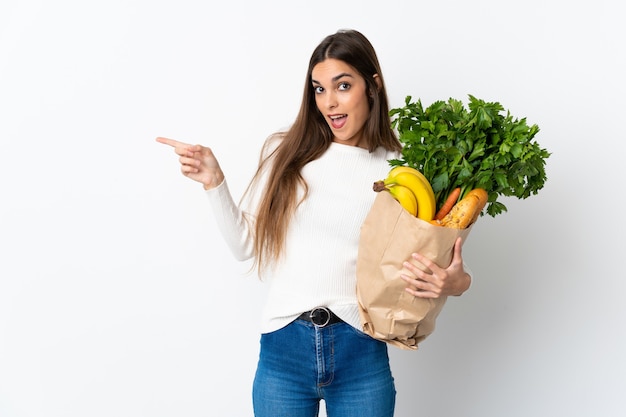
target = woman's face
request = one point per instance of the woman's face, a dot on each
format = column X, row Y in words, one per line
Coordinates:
column 341, row 97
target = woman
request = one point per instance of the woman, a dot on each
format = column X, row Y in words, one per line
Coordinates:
column 300, row 220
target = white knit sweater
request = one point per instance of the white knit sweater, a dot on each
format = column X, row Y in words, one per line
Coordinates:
column 319, row 266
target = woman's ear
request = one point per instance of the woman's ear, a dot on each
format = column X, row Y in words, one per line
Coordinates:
column 377, row 80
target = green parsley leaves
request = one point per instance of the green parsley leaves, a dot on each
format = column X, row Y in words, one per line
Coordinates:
column 482, row 146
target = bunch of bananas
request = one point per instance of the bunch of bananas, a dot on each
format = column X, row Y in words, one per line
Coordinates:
column 411, row 189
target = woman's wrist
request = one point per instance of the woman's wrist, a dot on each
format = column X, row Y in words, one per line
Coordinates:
column 215, row 181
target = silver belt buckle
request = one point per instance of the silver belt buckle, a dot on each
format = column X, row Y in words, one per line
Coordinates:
column 313, row 315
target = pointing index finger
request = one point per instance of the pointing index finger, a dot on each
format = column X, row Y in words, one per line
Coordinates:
column 170, row 142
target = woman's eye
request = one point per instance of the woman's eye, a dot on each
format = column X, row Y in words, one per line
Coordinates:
column 318, row 89
column 344, row 86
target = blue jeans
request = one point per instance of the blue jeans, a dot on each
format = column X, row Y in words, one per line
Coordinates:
column 301, row 364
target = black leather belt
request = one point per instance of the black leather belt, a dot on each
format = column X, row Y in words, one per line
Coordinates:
column 320, row 317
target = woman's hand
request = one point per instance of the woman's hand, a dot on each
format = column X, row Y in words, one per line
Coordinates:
column 197, row 162
column 436, row 281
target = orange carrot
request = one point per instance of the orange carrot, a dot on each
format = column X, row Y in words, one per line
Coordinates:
column 448, row 204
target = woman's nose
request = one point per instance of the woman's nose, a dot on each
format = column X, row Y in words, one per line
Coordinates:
column 331, row 100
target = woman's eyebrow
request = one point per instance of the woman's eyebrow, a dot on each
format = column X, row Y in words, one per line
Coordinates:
column 335, row 78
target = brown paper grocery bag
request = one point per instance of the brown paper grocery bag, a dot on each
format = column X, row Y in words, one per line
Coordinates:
column 389, row 235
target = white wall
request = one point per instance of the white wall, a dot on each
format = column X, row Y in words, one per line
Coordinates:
column 117, row 296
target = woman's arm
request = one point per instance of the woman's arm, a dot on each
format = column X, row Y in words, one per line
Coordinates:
column 200, row 164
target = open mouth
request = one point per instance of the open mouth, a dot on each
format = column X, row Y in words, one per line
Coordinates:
column 338, row 120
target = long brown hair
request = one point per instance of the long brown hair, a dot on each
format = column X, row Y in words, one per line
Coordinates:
column 310, row 136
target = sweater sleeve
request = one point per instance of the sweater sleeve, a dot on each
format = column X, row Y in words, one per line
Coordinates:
column 233, row 222
column 236, row 222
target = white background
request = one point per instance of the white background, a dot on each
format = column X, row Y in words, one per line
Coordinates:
column 119, row 298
